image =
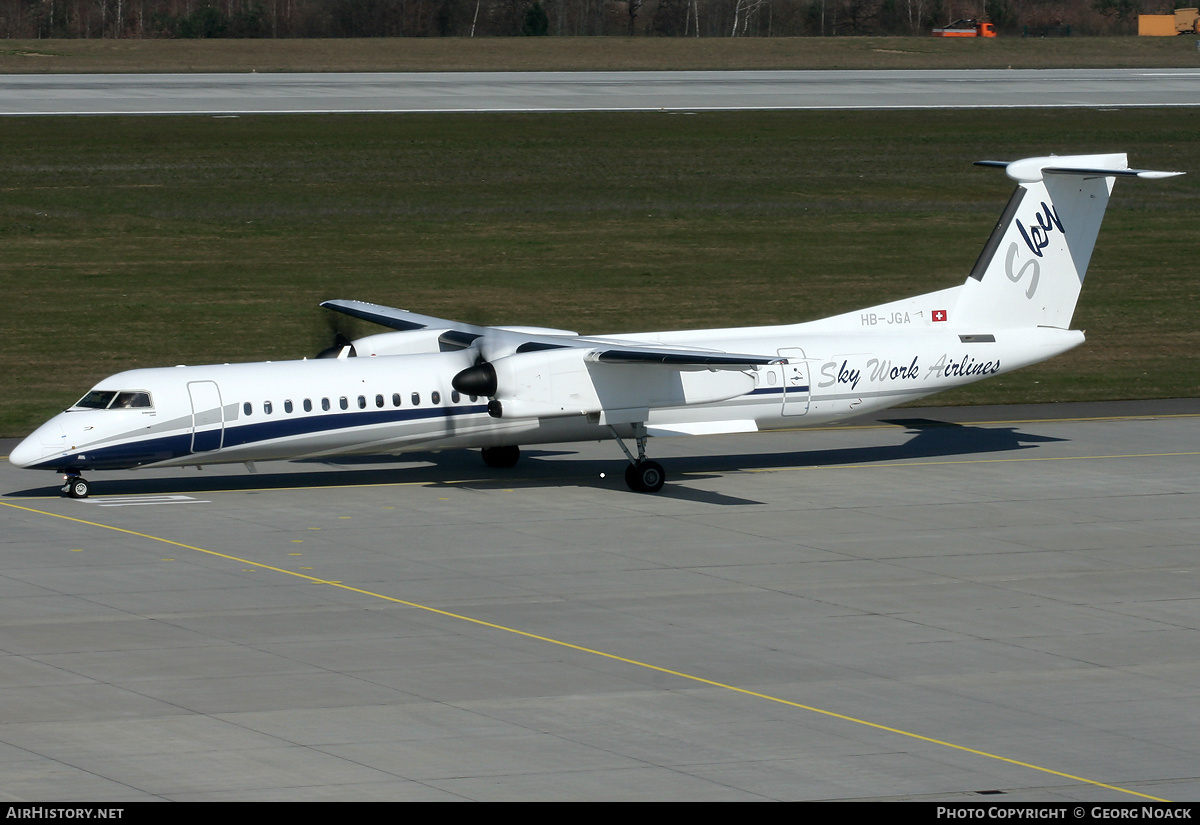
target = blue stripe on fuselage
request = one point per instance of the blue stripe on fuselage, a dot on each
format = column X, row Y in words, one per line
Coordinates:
column 138, row 453
column 308, row 424
column 776, row 390
column 121, row 456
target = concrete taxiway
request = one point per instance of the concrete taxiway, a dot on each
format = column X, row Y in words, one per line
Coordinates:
column 593, row 91
column 990, row 604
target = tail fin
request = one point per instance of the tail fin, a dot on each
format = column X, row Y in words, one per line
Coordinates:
column 1033, row 265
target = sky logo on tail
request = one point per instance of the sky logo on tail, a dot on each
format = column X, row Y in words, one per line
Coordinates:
column 1037, row 237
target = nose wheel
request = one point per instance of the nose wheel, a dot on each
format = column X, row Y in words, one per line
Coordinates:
column 76, row 487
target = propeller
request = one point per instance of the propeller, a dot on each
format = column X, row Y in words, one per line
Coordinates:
column 480, row 379
column 340, row 328
column 340, row 343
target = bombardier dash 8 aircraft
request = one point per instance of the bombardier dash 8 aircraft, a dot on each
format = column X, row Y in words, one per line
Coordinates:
column 439, row 384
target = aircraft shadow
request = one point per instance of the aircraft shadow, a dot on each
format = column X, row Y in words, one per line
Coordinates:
column 930, row 439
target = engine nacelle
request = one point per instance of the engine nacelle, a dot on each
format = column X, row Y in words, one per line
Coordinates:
column 408, row 342
column 561, row 382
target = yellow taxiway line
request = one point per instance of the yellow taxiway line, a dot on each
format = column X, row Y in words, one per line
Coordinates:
column 600, row 653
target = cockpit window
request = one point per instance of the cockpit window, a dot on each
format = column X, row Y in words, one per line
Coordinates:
column 96, row 399
column 112, row 400
column 128, row 400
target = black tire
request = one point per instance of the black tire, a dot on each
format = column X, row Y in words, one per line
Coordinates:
column 652, row 475
column 645, row 477
column 501, row 457
column 76, row 487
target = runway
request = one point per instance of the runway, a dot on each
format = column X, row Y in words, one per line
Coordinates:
column 231, row 94
column 979, row 604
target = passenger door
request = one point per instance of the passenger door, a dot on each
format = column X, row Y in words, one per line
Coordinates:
column 795, row 381
column 208, row 421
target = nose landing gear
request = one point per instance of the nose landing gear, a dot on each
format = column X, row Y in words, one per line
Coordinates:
column 75, row 487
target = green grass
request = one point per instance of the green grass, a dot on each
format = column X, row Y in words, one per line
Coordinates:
column 150, row 241
column 416, row 54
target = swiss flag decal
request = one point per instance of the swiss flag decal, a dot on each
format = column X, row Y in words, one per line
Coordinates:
column 939, row 315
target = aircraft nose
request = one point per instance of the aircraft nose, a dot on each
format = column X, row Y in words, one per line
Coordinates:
column 27, row 452
column 44, row 441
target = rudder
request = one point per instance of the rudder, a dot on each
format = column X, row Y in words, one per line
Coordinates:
column 1032, row 268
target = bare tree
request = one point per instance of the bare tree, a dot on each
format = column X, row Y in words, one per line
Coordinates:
column 634, row 7
column 746, row 9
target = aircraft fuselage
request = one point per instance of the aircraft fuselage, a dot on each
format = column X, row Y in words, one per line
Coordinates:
column 393, row 404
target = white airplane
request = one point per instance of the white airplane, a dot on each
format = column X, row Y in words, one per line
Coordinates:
column 438, row 384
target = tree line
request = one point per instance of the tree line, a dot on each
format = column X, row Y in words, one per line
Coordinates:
column 491, row 18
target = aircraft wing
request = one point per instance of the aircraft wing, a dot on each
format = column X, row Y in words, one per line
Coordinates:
column 401, row 319
column 531, row 339
column 682, row 358
column 623, row 352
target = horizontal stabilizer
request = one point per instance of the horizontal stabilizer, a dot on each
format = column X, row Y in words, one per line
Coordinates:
column 1032, row 170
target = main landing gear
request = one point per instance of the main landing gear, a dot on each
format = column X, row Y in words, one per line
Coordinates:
column 75, row 487
column 642, row 475
column 501, row 457
column 645, row 476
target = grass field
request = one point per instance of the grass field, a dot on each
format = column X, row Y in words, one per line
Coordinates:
column 592, row 53
column 152, row 241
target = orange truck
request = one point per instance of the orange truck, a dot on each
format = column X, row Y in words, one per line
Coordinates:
column 1183, row 21
column 966, row 28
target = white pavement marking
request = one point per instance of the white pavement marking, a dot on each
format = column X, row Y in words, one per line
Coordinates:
column 136, row 501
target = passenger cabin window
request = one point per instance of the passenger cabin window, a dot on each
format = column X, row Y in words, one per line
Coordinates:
column 343, row 403
column 379, row 401
column 287, row 405
column 362, row 402
column 325, row 404
column 267, row 407
column 416, row 399
column 247, row 408
column 395, row 399
column 308, row 405
column 435, row 397
column 454, row 397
